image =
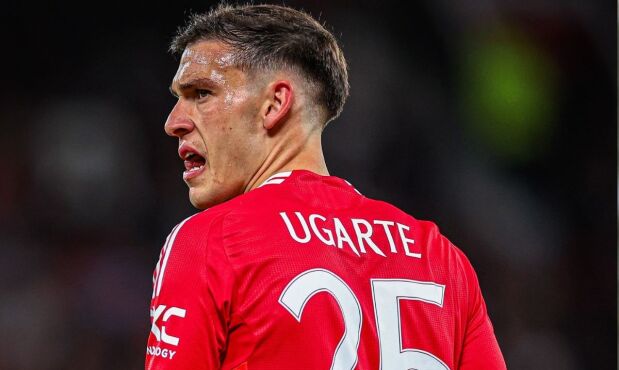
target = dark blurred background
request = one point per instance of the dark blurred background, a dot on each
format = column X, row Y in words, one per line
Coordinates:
column 495, row 119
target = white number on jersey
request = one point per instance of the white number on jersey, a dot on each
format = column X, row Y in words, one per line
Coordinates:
column 386, row 294
column 304, row 286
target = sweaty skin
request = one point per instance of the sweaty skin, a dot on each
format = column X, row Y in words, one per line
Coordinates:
column 246, row 128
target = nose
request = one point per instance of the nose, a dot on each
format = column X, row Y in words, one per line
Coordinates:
column 178, row 122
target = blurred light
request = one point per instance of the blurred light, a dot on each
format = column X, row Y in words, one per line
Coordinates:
column 509, row 94
column 89, row 164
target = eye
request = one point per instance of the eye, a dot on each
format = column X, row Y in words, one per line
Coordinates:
column 202, row 93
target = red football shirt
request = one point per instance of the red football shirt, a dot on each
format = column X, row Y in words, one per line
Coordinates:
column 306, row 273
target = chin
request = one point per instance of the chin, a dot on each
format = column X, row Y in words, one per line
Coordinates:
column 203, row 198
column 197, row 204
column 200, row 202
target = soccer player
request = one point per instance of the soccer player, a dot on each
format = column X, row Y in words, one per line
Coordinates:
column 288, row 267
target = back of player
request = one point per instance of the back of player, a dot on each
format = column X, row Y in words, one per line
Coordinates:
column 306, row 273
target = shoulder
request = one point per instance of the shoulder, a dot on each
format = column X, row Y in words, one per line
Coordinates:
column 206, row 224
column 423, row 229
column 454, row 261
column 192, row 246
column 196, row 227
column 429, row 235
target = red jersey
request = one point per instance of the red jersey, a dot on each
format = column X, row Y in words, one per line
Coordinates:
column 306, row 273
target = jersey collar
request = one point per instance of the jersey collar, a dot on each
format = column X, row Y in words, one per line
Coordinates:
column 278, row 178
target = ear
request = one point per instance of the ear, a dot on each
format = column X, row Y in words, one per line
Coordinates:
column 278, row 104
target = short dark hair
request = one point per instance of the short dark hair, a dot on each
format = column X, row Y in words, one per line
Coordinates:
column 271, row 36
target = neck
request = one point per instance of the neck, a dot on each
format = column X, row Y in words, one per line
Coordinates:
column 306, row 154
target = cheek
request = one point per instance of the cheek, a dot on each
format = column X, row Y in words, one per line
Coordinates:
column 243, row 116
column 243, row 144
column 230, row 135
column 233, row 99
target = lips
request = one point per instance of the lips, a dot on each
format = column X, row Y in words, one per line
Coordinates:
column 194, row 162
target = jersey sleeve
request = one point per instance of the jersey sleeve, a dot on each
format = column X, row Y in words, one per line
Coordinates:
column 480, row 348
column 190, row 311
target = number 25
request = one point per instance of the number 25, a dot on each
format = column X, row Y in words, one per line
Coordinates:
column 386, row 294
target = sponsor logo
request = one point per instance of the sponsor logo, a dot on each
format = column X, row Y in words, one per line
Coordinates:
column 159, row 352
column 159, row 317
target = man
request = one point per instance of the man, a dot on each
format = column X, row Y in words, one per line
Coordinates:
column 288, row 267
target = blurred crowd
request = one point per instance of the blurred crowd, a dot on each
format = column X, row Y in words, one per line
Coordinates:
column 494, row 119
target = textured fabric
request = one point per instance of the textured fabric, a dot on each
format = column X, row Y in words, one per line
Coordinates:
column 306, row 273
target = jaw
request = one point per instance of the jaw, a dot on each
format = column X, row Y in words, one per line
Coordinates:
column 200, row 191
column 205, row 191
column 202, row 198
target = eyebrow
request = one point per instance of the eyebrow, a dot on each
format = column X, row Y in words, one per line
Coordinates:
column 191, row 84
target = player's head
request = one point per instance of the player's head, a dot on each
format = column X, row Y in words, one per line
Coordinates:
column 247, row 75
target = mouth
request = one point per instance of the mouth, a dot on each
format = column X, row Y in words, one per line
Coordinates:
column 194, row 164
